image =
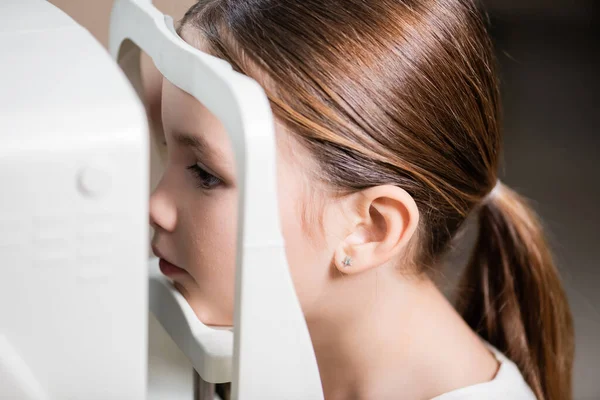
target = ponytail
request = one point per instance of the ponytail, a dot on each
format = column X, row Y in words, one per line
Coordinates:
column 511, row 295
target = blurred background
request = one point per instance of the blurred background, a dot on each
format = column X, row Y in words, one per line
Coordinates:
column 550, row 64
column 549, row 53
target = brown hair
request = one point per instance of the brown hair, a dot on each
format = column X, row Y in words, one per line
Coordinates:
column 406, row 93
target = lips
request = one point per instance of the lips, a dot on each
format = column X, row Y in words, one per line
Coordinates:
column 166, row 267
column 169, row 269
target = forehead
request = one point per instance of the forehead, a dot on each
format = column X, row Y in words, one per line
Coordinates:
column 193, row 37
column 184, row 115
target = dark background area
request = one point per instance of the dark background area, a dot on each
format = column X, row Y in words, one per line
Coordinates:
column 549, row 59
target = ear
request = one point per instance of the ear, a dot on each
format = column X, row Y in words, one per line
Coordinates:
column 385, row 218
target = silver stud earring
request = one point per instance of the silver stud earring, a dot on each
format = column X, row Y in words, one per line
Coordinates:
column 347, row 261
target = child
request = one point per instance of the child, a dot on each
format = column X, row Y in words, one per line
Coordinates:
column 388, row 137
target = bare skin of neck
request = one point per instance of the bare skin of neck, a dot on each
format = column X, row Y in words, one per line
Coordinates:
column 396, row 338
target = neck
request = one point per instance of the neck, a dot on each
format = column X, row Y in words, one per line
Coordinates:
column 395, row 335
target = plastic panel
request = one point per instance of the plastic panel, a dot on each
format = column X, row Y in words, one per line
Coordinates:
column 272, row 354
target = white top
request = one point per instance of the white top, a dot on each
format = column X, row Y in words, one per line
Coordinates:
column 507, row 384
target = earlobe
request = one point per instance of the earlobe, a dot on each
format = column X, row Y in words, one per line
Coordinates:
column 354, row 259
column 387, row 219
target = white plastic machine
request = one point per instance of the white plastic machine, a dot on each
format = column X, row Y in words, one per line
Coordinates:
column 76, row 282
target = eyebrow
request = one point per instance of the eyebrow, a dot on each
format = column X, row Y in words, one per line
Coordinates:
column 196, row 143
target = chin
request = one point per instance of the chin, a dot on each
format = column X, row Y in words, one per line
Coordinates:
column 210, row 315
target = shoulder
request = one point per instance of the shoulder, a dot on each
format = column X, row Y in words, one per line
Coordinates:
column 507, row 384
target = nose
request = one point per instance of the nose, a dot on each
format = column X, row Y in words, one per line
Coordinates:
column 163, row 211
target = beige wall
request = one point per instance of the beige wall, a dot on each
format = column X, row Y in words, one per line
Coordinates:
column 94, row 15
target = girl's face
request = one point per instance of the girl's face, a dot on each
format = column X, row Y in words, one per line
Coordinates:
column 194, row 212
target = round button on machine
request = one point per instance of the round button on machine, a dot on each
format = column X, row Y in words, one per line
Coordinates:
column 94, row 181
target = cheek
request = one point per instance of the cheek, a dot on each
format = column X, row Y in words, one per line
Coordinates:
column 308, row 257
column 209, row 243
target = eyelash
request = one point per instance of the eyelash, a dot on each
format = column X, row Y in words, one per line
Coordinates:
column 205, row 179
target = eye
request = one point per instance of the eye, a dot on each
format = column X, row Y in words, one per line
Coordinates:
column 205, row 179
